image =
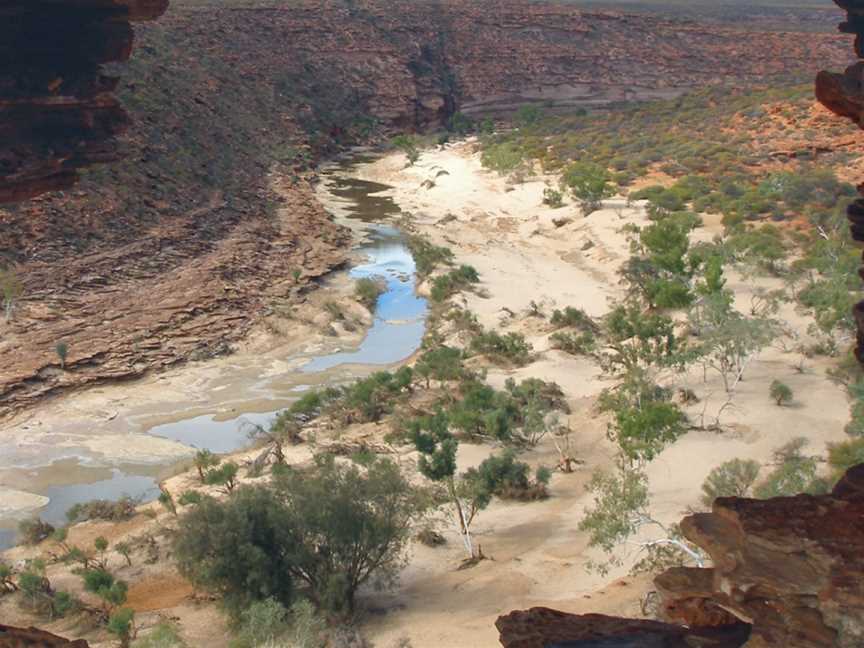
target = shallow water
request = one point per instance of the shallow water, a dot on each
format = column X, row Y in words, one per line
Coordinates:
column 396, row 333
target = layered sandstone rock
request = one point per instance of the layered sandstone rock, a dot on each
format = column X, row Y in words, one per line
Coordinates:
column 790, row 568
column 58, row 112
column 544, row 628
column 844, row 95
column 32, row 638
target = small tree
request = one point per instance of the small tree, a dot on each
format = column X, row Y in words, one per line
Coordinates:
column 780, row 392
column 328, row 530
column 110, row 590
column 589, row 183
column 204, row 461
column 62, row 350
column 442, row 364
column 225, row 475
column 408, row 145
column 620, row 510
column 438, row 447
column 11, row 289
column 125, row 550
column 122, row 624
column 734, row 478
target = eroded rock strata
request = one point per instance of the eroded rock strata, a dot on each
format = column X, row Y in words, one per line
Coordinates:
column 844, row 95
column 58, row 111
column 790, row 568
column 224, row 99
column 32, row 638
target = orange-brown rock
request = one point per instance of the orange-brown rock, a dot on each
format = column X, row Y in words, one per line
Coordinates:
column 57, row 108
column 32, row 638
column 790, row 567
column 545, row 628
column 844, row 95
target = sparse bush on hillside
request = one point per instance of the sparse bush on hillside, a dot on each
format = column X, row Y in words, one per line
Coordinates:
column 121, row 509
column 842, row 456
column 368, row 290
column 509, row 348
column 795, row 473
column 265, row 542
column 780, row 392
column 574, row 343
column 447, row 285
column 427, row 256
column 734, row 478
column 34, row 531
column 553, row 198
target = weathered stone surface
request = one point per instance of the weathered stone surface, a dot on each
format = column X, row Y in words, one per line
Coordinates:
column 545, row 628
column 843, row 94
column 57, row 110
column 32, row 638
column 794, row 566
column 790, row 569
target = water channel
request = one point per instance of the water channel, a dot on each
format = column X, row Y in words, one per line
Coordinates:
column 67, row 474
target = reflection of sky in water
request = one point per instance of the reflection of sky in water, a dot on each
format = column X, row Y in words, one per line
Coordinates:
column 217, row 436
column 62, row 498
column 399, row 323
column 120, row 484
column 396, row 333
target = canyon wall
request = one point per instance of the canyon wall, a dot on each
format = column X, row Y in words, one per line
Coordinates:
column 58, row 112
column 175, row 250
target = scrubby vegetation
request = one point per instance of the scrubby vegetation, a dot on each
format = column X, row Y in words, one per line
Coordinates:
column 318, row 534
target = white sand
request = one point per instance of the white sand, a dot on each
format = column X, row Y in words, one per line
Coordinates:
column 522, row 256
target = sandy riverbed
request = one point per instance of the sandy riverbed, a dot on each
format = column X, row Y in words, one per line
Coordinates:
column 526, row 252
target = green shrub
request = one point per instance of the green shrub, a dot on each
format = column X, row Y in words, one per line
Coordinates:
column 190, row 498
column 122, row 509
column 780, row 393
column 121, row 624
column 575, row 318
column 796, row 473
column 225, row 475
column 842, row 456
column 574, row 343
column 447, row 285
column 367, row 290
column 508, row 478
column 427, row 256
column 442, row 364
column 510, row 348
column 327, row 530
column 164, row 635
column 855, row 427
column 261, row 623
column 34, row 531
column 734, row 478
column 553, row 198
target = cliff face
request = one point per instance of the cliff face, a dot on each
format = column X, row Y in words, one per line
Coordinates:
column 179, row 241
column 790, row 569
column 57, row 109
column 32, row 638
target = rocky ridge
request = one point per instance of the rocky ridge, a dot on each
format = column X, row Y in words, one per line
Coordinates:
column 787, row 572
column 58, row 111
column 225, row 99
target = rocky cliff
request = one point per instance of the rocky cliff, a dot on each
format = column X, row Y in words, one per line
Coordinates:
column 58, row 112
column 32, row 638
column 787, row 572
column 174, row 251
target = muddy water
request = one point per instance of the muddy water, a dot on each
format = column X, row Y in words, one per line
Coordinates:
column 70, row 468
